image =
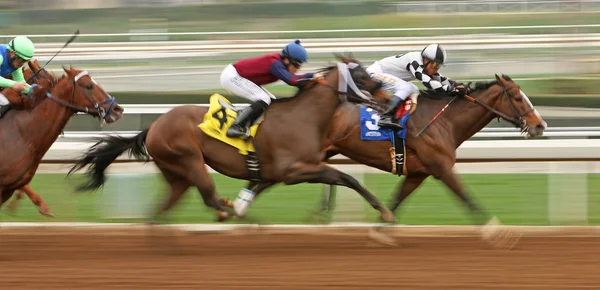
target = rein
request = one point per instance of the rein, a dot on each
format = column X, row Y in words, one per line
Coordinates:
column 518, row 121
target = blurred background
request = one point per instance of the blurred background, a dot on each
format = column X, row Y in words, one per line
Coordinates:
column 152, row 55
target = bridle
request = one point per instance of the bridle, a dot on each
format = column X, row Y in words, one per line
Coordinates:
column 97, row 109
column 518, row 121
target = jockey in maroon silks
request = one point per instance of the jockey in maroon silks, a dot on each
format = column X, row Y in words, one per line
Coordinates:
column 246, row 78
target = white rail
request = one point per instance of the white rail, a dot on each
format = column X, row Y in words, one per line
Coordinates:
column 495, row 150
column 485, row 133
column 204, row 33
column 497, row 6
column 463, row 41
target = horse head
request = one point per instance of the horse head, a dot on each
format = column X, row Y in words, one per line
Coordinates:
column 513, row 105
column 78, row 91
column 362, row 88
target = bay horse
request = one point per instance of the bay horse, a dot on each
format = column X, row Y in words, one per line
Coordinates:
column 289, row 142
column 28, row 134
column 433, row 153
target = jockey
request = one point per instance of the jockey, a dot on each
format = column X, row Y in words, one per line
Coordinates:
column 246, row 77
column 395, row 72
column 12, row 58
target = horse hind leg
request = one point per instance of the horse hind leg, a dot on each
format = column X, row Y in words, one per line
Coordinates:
column 322, row 173
column 178, row 186
column 160, row 237
column 14, row 203
column 200, row 178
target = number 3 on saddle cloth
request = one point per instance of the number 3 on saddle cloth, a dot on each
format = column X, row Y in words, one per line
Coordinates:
column 221, row 114
column 369, row 131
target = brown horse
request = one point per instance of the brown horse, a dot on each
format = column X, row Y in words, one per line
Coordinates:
column 289, row 142
column 433, row 153
column 44, row 79
column 28, row 134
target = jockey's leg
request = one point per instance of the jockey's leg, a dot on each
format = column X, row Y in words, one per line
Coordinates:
column 387, row 119
column 240, row 86
column 402, row 90
column 245, row 118
column 4, row 105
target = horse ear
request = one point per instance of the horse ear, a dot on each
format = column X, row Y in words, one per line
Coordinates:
column 499, row 79
column 345, row 59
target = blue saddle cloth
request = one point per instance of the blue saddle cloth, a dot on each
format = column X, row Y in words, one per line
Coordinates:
column 369, row 131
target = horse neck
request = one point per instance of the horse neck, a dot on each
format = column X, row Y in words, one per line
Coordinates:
column 48, row 119
column 317, row 106
column 469, row 118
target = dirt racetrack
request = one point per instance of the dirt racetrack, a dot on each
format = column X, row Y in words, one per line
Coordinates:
column 293, row 261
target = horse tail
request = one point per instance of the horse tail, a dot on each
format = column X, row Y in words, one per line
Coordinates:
column 104, row 152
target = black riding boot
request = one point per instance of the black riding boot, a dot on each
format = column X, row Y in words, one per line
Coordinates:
column 245, row 119
column 387, row 119
column 4, row 109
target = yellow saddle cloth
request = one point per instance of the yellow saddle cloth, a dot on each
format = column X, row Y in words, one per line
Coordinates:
column 219, row 118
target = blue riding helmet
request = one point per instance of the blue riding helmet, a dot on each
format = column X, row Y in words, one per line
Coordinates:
column 295, row 52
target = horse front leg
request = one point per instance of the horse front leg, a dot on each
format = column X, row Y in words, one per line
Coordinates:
column 491, row 231
column 408, row 186
column 256, row 188
column 34, row 197
column 322, row 173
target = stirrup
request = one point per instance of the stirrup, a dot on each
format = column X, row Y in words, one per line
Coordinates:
column 388, row 122
column 238, row 131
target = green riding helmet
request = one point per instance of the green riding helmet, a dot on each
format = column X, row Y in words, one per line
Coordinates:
column 22, row 46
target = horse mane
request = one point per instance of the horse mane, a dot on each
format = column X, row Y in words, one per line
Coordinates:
column 39, row 95
column 434, row 95
column 479, row 86
column 486, row 85
column 304, row 88
column 483, row 85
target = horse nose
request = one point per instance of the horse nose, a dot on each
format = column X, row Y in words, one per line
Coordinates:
column 539, row 129
column 118, row 109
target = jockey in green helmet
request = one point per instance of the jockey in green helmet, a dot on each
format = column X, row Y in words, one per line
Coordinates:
column 12, row 58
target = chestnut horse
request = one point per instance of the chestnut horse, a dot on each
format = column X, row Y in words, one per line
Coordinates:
column 28, row 134
column 288, row 144
column 433, row 153
column 44, row 79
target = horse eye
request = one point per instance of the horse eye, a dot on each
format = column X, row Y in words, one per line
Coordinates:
column 89, row 87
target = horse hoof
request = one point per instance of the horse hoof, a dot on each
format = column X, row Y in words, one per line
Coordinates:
column 226, row 202
column 498, row 237
column 222, row 216
column 46, row 212
column 12, row 206
column 381, row 238
column 387, row 217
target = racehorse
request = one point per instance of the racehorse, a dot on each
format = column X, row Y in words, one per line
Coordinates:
column 433, row 152
column 43, row 78
column 28, row 134
column 288, row 142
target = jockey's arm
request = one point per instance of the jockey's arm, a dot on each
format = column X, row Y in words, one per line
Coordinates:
column 278, row 70
column 417, row 70
column 18, row 76
column 446, row 80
